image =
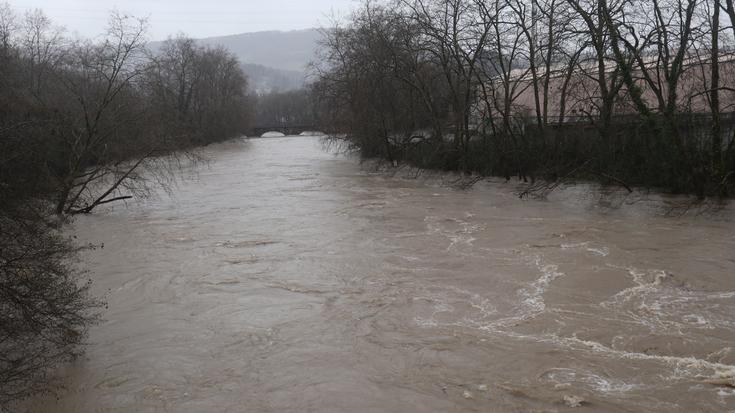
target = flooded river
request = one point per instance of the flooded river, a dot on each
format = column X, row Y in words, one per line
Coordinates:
column 284, row 278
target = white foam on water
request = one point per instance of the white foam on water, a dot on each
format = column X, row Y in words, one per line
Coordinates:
column 533, row 296
column 460, row 239
column 645, row 282
column 650, row 302
column 720, row 354
column 532, row 302
column 438, row 305
column 442, row 303
column 664, row 307
column 457, row 236
column 698, row 320
column 565, row 376
column 635, row 302
column 683, row 367
column 601, row 251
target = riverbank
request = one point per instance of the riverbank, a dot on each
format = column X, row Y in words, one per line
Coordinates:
column 592, row 194
column 628, row 158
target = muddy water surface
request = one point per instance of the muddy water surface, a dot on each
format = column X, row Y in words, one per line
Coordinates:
column 287, row 279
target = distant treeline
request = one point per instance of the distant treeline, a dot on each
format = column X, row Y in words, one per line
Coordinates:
column 265, row 80
column 631, row 93
column 285, row 109
column 84, row 123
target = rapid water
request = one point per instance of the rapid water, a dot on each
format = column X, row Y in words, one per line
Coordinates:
column 283, row 278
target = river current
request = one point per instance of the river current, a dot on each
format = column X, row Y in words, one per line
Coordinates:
column 285, row 278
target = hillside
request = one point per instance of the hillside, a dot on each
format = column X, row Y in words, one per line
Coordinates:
column 291, row 50
column 273, row 60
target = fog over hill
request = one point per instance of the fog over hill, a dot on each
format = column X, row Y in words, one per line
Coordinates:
column 264, row 79
column 273, row 60
column 291, row 50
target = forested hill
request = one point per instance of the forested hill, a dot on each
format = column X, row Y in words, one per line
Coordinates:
column 273, row 60
column 264, row 79
column 291, row 50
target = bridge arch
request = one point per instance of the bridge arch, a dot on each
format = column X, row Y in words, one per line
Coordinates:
column 286, row 130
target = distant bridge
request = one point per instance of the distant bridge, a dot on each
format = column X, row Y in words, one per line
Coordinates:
column 286, row 130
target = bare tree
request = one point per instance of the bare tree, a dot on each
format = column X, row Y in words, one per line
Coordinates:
column 715, row 88
column 99, row 77
column 8, row 26
column 454, row 33
column 44, row 309
column 199, row 92
column 43, row 47
column 607, row 76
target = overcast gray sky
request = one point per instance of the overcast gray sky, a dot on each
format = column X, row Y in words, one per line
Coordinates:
column 197, row 18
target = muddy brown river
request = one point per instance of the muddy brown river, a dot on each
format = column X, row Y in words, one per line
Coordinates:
column 284, row 278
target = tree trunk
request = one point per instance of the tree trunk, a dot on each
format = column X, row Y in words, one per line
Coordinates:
column 715, row 94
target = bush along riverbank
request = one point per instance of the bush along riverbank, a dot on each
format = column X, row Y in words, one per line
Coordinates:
column 631, row 156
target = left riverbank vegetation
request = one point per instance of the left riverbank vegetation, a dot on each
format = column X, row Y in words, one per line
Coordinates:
column 628, row 92
column 84, row 123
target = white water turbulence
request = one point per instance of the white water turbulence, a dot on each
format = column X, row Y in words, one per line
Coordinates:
column 284, row 278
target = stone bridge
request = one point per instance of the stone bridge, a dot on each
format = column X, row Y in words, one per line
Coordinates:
column 286, row 130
